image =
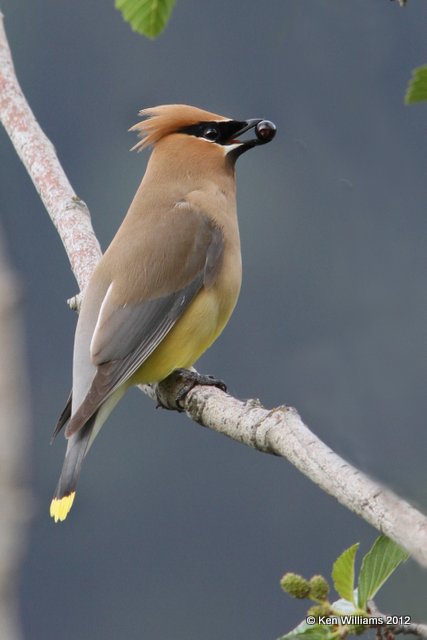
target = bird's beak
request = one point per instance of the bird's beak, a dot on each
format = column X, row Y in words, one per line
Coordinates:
column 262, row 131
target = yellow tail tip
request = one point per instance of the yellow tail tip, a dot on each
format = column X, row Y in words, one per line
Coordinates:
column 59, row 507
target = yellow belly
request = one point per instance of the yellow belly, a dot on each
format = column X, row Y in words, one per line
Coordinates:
column 194, row 332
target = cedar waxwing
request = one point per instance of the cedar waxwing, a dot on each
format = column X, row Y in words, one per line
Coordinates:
column 167, row 284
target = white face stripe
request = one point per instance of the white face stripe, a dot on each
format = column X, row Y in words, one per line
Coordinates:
column 225, row 148
column 230, row 147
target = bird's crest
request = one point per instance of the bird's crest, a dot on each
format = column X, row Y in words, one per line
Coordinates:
column 166, row 119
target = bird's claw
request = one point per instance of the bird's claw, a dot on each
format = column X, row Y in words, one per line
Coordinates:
column 191, row 379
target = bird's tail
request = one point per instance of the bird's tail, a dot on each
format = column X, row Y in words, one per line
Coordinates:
column 77, row 448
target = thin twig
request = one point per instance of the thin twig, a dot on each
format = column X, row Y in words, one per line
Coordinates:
column 410, row 628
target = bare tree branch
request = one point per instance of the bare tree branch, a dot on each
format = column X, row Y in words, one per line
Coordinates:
column 388, row 630
column 279, row 431
column 69, row 214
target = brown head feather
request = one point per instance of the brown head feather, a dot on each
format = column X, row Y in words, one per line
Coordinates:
column 166, row 119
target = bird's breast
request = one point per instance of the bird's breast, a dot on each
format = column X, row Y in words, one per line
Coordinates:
column 197, row 328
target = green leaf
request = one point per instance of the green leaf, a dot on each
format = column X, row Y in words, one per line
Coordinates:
column 311, row 632
column 343, row 573
column 417, row 87
column 148, row 17
column 378, row 565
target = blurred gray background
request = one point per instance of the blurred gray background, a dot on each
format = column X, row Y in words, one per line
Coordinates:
column 178, row 532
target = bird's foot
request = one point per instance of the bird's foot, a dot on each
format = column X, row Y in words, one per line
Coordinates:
column 180, row 383
column 191, row 379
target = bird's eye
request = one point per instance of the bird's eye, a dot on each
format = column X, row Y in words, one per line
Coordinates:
column 211, row 133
